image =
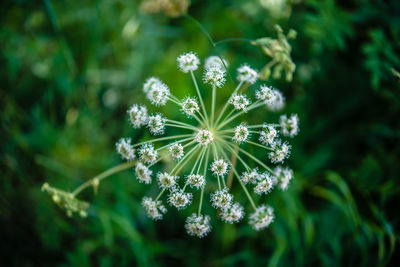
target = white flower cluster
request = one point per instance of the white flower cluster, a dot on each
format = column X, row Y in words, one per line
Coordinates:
column 198, row 225
column 247, row 74
column 214, row 76
column 239, row 101
column 273, row 98
column 208, row 144
column 156, row 91
column 190, row 106
column 262, row 217
column 154, row 209
column 125, row 149
column 241, row 133
column 219, row 167
column 215, row 61
column 188, row 62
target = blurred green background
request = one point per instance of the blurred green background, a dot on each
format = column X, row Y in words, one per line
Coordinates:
column 70, row 69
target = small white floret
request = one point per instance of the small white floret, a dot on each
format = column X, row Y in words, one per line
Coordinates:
column 246, row 74
column 198, row 225
column 188, row 62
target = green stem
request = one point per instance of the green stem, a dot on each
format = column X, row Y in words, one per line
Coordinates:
column 103, row 175
column 213, row 104
column 162, row 139
column 243, row 186
column 227, row 103
column 200, row 98
column 202, row 189
column 229, row 119
column 160, row 194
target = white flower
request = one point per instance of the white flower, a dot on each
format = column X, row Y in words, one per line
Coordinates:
column 156, row 124
column 284, row 175
column 196, row 180
column 233, row 213
column 241, row 134
column 190, row 106
column 154, row 209
column 188, row 62
column 219, row 167
column 125, row 149
column 179, row 199
column 214, row 76
column 166, row 180
column 250, row 176
column 277, row 102
column 262, row 217
column 246, row 74
column 215, row 61
column 265, row 93
column 280, row 151
column 137, row 115
column 204, row 137
column 264, row 184
column 268, row 134
column 198, row 225
column 147, row 154
column 148, row 84
column 289, row 126
column 221, row 198
column 240, row 102
column 143, row 173
column 176, row 151
column 158, row 94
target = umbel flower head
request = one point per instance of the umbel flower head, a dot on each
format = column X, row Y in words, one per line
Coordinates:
column 207, row 145
column 203, row 143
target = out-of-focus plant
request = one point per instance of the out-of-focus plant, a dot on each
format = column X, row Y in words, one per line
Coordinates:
column 171, row 8
column 279, row 51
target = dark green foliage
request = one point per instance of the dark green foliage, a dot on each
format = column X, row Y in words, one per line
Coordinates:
column 70, row 69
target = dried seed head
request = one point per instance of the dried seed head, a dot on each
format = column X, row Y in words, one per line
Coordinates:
column 176, row 151
column 262, row 217
column 214, row 76
column 143, row 173
column 196, row 180
column 190, row 106
column 137, row 115
column 147, row 154
column 246, row 74
column 204, row 137
column 241, row 134
column 188, row 62
column 233, row 213
column 156, row 124
column 221, row 198
column 289, row 126
column 240, row 102
column 219, row 167
column 125, row 149
column 198, row 225
column 154, row 209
